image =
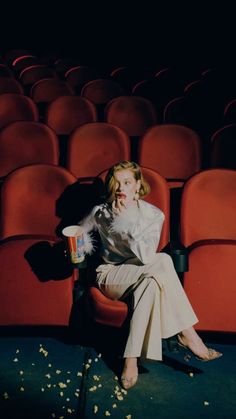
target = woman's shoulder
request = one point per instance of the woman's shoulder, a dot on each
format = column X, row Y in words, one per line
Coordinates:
column 151, row 209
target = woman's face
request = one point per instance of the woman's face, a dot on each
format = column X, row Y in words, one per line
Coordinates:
column 126, row 185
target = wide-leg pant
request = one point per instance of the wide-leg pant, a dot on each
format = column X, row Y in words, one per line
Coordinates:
column 160, row 306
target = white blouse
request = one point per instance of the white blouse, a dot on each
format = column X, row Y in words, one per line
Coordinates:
column 131, row 237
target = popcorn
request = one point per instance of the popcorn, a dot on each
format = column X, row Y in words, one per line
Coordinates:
column 94, row 388
column 61, row 393
column 69, row 410
column 96, row 360
column 22, row 389
column 5, row 395
column 48, row 375
column 191, row 374
column 96, row 378
column 95, row 408
column 116, row 378
column 42, row 389
column 128, row 417
column 17, row 351
column 62, row 385
column 58, row 371
column 107, row 413
column 79, row 374
column 87, row 366
column 114, row 405
column 206, row 403
column 119, row 397
column 76, row 394
column 49, row 385
column 15, row 360
column 21, row 372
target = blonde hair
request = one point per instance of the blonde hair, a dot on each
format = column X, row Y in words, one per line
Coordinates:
column 110, row 181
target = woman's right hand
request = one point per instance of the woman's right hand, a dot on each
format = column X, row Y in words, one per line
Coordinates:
column 118, row 206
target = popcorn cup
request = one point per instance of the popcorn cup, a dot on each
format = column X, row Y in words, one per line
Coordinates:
column 75, row 240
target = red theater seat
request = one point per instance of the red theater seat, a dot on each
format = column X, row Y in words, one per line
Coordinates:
column 96, row 146
column 208, row 231
column 29, row 197
column 27, row 298
column 17, row 107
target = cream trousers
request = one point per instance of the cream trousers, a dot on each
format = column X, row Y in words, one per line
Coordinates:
column 161, row 308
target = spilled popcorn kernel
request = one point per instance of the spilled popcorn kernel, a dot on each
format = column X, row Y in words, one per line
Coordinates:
column 206, row 403
column 21, row 372
column 96, row 360
column 69, row 410
column 49, row 365
column 128, row 417
column 58, row 371
column 87, row 366
column 79, row 374
column 114, row 405
column 22, row 389
column 119, row 397
column 17, row 351
column 61, row 393
column 107, row 413
column 68, row 381
column 53, row 415
column 49, row 385
column 62, row 385
column 116, row 378
column 48, row 375
column 89, row 360
column 95, row 408
column 191, row 374
column 124, row 391
column 6, row 395
column 67, row 399
column 15, row 360
column 93, row 388
column 96, row 378
column 76, row 394
column 42, row 389
column 99, row 385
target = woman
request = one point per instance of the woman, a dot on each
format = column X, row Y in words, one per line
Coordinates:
column 130, row 230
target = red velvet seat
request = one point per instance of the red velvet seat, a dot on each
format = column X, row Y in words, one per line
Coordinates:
column 17, row 107
column 27, row 299
column 174, row 151
column 47, row 89
column 96, row 146
column 112, row 312
column 66, row 113
column 10, row 85
column 27, row 142
column 131, row 113
column 29, row 199
column 101, row 91
column 208, row 231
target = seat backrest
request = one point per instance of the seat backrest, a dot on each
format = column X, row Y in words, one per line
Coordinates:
column 48, row 89
column 10, row 85
column 96, row 146
column 28, row 283
column 17, row 107
column 101, row 91
column 158, row 196
column 174, row 151
column 223, row 147
column 66, row 113
column 131, row 113
column 29, row 199
column 78, row 75
column 34, row 73
column 208, row 206
column 27, row 142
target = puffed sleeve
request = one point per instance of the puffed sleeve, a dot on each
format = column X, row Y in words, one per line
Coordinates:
column 88, row 224
column 140, row 230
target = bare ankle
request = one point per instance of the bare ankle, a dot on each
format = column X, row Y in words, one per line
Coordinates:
column 130, row 362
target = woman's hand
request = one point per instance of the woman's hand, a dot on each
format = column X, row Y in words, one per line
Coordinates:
column 118, row 206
